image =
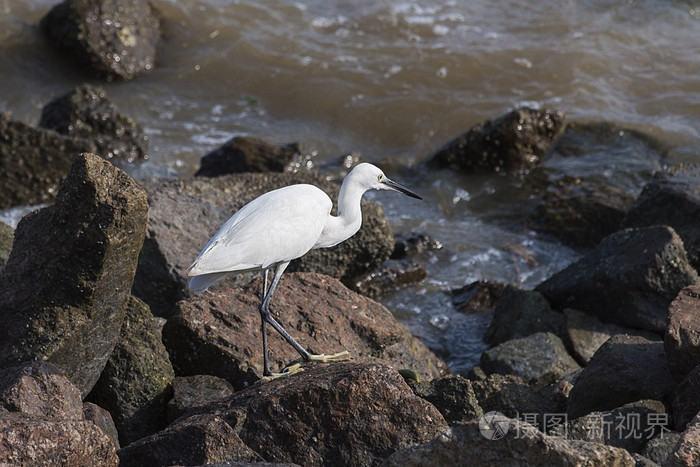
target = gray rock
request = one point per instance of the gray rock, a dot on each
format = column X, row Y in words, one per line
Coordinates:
column 135, row 385
column 682, row 339
column 87, row 113
column 514, row 143
column 661, row 446
column 110, row 38
column 630, row 278
column 625, row 369
column 191, row 392
column 453, row 396
column 539, row 359
column 68, row 277
column 686, row 402
column 248, row 154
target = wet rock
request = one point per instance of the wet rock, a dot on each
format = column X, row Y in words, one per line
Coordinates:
column 625, row 369
column 628, row 427
column 682, row 339
column 686, row 403
column 103, row 420
column 191, row 392
column 218, row 332
column 478, row 297
column 514, row 143
column 135, row 385
column 248, row 154
column 184, row 214
column 42, row 421
column 7, row 234
column 687, row 452
column 578, row 213
column 68, row 277
column 453, row 396
column 33, row 162
column 585, row 334
column 412, row 245
column 391, row 275
column 520, row 444
column 630, row 278
column 661, row 446
column 110, row 38
column 672, row 198
column 539, row 359
column 198, row 440
column 520, row 313
column 87, row 113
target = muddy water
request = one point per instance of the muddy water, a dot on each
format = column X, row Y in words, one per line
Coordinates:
column 393, row 81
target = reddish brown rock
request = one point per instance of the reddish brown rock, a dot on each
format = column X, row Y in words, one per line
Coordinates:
column 682, row 339
column 687, row 451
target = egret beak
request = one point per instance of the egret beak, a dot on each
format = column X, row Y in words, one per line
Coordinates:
column 391, row 185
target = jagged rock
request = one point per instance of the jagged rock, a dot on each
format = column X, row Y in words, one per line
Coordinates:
column 33, row 162
column 453, row 396
column 335, row 414
column 103, row 420
column 682, row 339
column 248, row 154
column 68, row 277
column 514, row 444
column 539, row 359
column 514, row 143
column 87, row 113
column 184, row 214
column 191, row 392
column 687, row 452
column 686, row 403
column 578, row 213
column 218, row 333
column 625, row 369
column 110, row 38
column 630, row 278
column 135, row 385
column 519, row 313
column 672, row 198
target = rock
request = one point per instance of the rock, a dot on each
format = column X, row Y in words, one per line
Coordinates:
column 628, row 427
column 334, row 414
column 33, row 162
column 521, row 444
column 103, row 420
column 110, row 38
column 672, row 198
column 687, row 452
column 682, row 339
column 68, row 277
column 579, row 213
column 478, row 297
column 412, row 245
column 453, row 396
column 42, row 421
column 248, row 154
column 87, row 113
column 514, row 143
column 586, row 333
column 660, row 447
column 190, row 392
column 686, row 403
column 135, row 385
column 539, row 359
column 7, row 234
column 630, row 278
column 625, row 369
column 184, row 214
column 218, row 333
column 519, row 313
column 391, row 275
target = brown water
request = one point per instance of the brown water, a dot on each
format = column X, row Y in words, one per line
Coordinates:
column 394, row 81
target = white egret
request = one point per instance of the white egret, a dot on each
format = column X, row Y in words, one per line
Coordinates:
column 282, row 225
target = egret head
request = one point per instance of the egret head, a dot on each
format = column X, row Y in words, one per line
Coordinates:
column 372, row 178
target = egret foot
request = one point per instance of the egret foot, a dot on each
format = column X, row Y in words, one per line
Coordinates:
column 343, row 356
column 288, row 371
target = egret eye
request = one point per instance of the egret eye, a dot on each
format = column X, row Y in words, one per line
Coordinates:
column 379, row 177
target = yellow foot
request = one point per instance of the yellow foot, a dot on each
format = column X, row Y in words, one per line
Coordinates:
column 343, row 356
column 288, row 371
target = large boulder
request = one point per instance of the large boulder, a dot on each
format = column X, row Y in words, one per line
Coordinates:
column 86, row 112
column 682, row 339
column 110, row 38
column 337, row 414
column 625, row 369
column 136, row 383
column 68, row 278
column 33, row 162
column 630, row 278
column 514, row 143
column 184, row 214
column 218, row 333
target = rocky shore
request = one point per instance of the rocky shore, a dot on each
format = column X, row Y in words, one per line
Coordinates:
column 105, row 358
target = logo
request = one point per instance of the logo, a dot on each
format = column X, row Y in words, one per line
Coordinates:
column 494, row 425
